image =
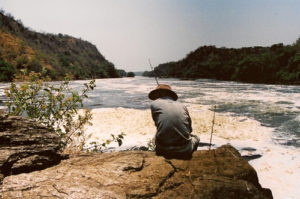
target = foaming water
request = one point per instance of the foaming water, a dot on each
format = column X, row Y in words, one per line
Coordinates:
column 139, row 127
column 278, row 168
column 275, row 106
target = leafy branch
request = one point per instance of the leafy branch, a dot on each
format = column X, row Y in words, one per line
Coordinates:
column 55, row 106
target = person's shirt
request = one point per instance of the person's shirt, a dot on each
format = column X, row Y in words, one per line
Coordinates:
column 173, row 122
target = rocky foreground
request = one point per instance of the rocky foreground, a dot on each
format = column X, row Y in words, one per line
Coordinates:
column 220, row 173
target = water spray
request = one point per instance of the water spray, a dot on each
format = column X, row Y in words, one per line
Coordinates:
column 153, row 72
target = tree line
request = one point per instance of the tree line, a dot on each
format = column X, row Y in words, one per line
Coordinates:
column 275, row 64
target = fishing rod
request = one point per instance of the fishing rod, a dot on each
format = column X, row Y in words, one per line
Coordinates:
column 212, row 127
column 153, row 72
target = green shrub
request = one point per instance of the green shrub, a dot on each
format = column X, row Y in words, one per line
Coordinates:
column 96, row 146
column 56, row 107
column 7, row 71
column 22, row 62
column 35, row 65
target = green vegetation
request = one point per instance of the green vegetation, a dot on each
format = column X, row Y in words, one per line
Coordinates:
column 56, row 107
column 275, row 64
column 130, row 74
column 97, row 146
column 55, row 55
column 51, row 106
column 122, row 73
column 6, row 71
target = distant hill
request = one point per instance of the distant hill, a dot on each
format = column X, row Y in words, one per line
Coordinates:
column 23, row 50
column 275, row 64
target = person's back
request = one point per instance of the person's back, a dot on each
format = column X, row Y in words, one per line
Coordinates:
column 174, row 126
column 172, row 121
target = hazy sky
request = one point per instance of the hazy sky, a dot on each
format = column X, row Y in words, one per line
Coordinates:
column 128, row 32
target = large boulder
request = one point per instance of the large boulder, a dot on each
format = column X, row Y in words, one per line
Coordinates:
column 26, row 146
column 220, row 173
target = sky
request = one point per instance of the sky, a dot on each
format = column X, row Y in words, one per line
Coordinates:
column 129, row 32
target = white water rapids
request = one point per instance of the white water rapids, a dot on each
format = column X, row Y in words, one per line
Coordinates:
column 263, row 117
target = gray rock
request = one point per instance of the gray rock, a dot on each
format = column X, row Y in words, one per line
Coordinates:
column 26, row 146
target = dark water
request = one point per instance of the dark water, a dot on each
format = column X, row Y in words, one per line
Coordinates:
column 275, row 106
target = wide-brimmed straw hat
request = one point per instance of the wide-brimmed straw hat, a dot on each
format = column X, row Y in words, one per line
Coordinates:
column 162, row 88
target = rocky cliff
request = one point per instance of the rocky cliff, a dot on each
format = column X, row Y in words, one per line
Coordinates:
column 220, row 173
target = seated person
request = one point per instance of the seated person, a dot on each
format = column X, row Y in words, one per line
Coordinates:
column 173, row 138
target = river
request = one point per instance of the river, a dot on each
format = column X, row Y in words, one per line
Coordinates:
column 263, row 117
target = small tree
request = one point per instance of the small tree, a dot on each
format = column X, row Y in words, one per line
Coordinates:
column 55, row 106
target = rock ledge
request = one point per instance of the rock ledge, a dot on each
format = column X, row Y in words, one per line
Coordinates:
column 26, row 146
column 31, row 166
column 220, row 173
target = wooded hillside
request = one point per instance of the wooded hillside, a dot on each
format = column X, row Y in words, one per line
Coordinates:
column 23, row 50
column 276, row 64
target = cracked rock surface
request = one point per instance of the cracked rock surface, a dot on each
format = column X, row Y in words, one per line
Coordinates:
column 26, row 146
column 220, row 173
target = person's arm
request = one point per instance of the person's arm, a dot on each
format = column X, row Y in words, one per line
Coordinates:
column 188, row 119
column 153, row 114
